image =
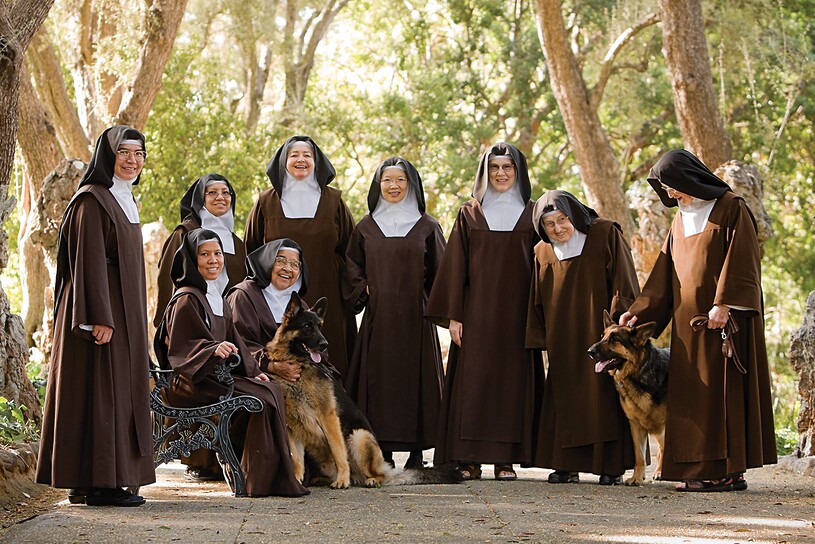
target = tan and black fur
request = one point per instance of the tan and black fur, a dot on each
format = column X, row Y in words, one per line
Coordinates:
column 323, row 421
column 640, row 373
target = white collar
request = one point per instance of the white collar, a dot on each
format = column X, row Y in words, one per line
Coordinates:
column 122, row 191
column 395, row 219
column 502, row 210
column 222, row 226
column 695, row 215
column 300, row 198
column 277, row 299
column 571, row 247
column 215, row 294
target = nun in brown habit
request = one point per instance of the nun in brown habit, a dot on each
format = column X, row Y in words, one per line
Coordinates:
column 96, row 431
column 719, row 413
column 300, row 205
column 197, row 331
column 583, row 266
column 208, row 203
column 481, row 294
column 276, row 270
column 396, row 372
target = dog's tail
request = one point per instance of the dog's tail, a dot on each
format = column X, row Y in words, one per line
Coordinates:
column 442, row 474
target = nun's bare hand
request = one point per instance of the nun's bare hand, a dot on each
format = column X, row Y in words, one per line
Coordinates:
column 456, row 329
column 628, row 319
column 102, row 334
column 288, row 370
column 224, row 349
column 262, row 377
column 717, row 317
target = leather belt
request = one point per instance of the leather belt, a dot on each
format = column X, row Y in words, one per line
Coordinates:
column 699, row 322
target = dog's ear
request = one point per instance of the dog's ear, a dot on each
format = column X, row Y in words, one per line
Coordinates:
column 607, row 321
column 320, row 307
column 294, row 307
column 643, row 332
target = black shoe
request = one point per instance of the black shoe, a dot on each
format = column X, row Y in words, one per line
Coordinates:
column 606, row 479
column 388, row 457
column 415, row 460
column 202, row 474
column 112, row 497
column 563, row 477
column 77, row 496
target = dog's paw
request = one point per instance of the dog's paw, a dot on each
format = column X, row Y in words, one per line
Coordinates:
column 340, row 484
column 372, row 482
column 657, row 476
column 632, row 481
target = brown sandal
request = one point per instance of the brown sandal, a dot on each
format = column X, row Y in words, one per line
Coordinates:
column 505, row 472
column 470, row 471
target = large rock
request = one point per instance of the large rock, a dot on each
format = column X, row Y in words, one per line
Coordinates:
column 802, row 358
column 18, row 465
column 153, row 236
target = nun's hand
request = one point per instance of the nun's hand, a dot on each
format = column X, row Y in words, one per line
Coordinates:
column 288, row 370
column 262, row 377
column 224, row 349
column 717, row 316
column 102, row 334
column 628, row 319
column 456, row 329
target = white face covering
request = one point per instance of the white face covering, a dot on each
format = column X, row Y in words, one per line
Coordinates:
column 395, row 219
column 122, row 191
column 695, row 215
column 277, row 299
column 222, row 226
column 300, row 198
column 502, row 210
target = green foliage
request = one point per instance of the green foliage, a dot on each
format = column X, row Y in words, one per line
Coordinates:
column 786, row 439
column 14, row 426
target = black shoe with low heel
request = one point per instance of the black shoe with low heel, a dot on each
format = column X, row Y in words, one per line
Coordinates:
column 563, row 477
column 607, row 479
column 77, row 495
column 112, row 497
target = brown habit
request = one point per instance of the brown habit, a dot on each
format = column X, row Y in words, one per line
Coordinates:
column 96, row 427
column 235, row 265
column 323, row 239
column 582, row 426
column 492, row 380
column 396, row 372
column 719, row 421
column 260, row 439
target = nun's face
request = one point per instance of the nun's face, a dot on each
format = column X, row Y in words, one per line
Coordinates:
column 128, row 163
column 210, row 260
column 286, row 268
column 502, row 173
column 682, row 198
column 300, row 160
column 394, row 184
column 558, row 227
column 217, row 198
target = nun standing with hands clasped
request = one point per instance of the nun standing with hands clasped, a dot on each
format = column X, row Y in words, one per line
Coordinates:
column 197, row 332
column 96, row 430
column 583, row 267
column 300, row 205
column 396, row 372
column 719, row 409
column 208, row 203
column 481, row 294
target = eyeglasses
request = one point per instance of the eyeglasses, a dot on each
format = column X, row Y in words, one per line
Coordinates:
column 669, row 190
column 125, row 154
column 507, row 168
column 225, row 194
column 561, row 222
column 283, row 261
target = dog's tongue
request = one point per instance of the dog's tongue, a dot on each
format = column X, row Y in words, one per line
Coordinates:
column 599, row 367
column 315, row 355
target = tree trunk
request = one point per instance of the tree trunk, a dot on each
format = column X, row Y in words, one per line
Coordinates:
column 161, row 27
column 599, row 168
column 802, row 358
column 18, row 22
column 40, row 153
column 746, row 181
column 45, row 218
column 50, row 86
column 653, row 224
column 686, row 55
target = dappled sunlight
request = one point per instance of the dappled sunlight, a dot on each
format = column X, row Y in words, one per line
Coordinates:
column 648, row 539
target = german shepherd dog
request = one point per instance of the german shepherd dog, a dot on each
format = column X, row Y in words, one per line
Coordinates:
column 640, row 372
column 322, row 419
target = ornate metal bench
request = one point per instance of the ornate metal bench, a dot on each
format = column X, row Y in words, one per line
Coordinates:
column 180, row 431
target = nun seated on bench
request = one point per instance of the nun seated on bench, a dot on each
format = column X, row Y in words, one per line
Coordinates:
column 197, row 334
